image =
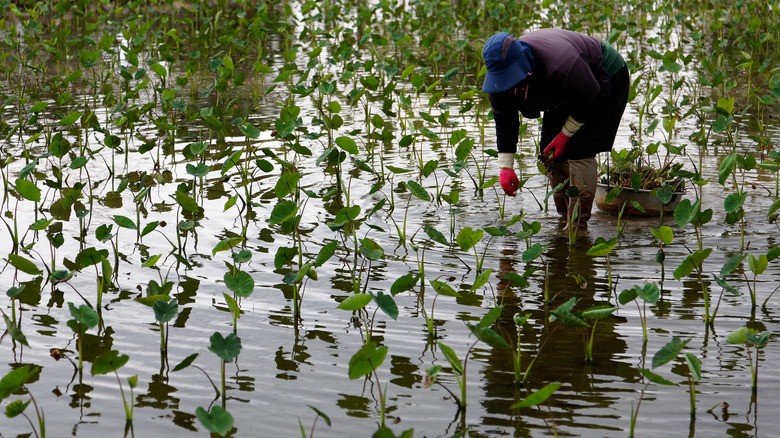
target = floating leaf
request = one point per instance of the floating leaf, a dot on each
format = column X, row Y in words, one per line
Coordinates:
column 538, row 397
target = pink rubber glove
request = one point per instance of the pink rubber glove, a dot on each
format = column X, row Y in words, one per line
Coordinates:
column 557, row 145
column 509, row 181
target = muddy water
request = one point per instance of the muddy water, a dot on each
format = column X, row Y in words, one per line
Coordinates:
column 288, row 364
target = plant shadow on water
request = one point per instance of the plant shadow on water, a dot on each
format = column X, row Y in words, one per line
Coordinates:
column 272, row 218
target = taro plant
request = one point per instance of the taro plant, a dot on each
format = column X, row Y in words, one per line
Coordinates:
column 111, row 361
column 227, row 349
column 564, row 315
column 365, row 363
column 667, row 353
column 750, row 338
column 664, row 235
column 15, row 381
column 602, row 248
column 482, row 332
column 84, row 318
column 538, row 398
column 649, row 294
column 217, row 420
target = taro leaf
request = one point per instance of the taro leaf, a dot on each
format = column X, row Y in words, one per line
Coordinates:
column 435, row 235
column 199, row 171
column 431, row 374
column 563, row 313
column 664, row 195
column 242, row 256
column 602, row 248
column 452, row 358
column 14, row 291
column 186, row 362
column 249, row 130
column 296, row 277
column 41, row 224
column 538, row 397
column 84, row 315
column 404, row 283
column 757, row 265
column 722, row 283
column 386, row 432
column 108, row 362
column 16, row 407
column 284, row 256
column 491, row 316
column 70, row 118
column 387, row 304
column 226, row 348
column 655, row 378
column 348, row 144
column 694, row 366
column 669, row 351
column 488, row 336
column 418, row 190
column 685, row 212
column 23, row 264
column 726, row 167
column 702, row 217
column 663, row 233
column 628, row 295
column 366, row 360
column 738, row 336
column 489, row 183
column 14, row 380
column 481, row 280
column 286, row 184
column 325, row 253
column 226, row 244
column 497, row 231
column 242, row 284
column 283, row 211
column 232, row 305
column 355, row 302
column 521, row 320
column 15, row 332
column 691, row 262
column 533, row 252
column 125, row 222
column 467, row 238
column 371, row 250
column 755, row 340
column 649, row 293
column 186, row 202
column 149, row 300
column 321, row 414
column 444, row 289
column 598, row 312
column 734, row 202
column 28, row 190
column 218, row 420
column 151, row 226
column 517, row 279
column 165, row 310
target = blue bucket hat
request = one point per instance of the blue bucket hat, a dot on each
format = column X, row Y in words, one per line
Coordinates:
column 508, row 61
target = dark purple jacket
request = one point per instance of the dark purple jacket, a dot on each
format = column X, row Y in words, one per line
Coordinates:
column 568, row 76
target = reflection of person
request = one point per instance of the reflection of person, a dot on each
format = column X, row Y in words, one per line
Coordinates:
column 581, row 85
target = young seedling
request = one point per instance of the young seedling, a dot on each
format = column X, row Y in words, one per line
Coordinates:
column 365, row 362
column 112, row 361
column 319, row 413
column 649, row 293
column 667, row 353
column 601, row 248
column 750, row 338
column 84, row 318
column 563, row 313
column 538, row 398
column 482, row 332
column 227, row 349
column 15, row 381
